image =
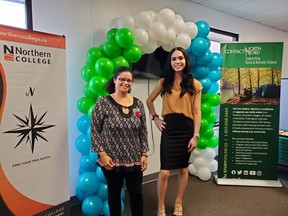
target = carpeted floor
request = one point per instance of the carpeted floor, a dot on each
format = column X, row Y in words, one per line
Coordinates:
column 209, row 199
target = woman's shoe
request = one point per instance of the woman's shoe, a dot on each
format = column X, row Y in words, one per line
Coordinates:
column 178, row 209
column 161, row 212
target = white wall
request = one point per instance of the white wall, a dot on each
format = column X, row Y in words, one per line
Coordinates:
column 85, row 24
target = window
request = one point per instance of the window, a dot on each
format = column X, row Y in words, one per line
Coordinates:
column 16, row 13
column 216, row 36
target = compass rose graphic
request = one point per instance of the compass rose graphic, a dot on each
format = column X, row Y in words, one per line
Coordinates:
column 30, row 128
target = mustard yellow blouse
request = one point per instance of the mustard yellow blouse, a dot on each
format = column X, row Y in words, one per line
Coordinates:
column 172, row 103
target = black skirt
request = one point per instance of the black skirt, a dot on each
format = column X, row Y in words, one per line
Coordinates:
column 175, row 140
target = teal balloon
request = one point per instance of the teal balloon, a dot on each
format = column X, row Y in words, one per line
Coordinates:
column 83, row 124
column 88, row 183
column 203, row 28
column 87, row 165
column 200, row 72
column 216, row 61
column 84, row 103
column 88, row 93
column 92, row 206
column 214, row 88
column 111, row 34
column 111, row 49
column 124, row 37
column 83, row 144
column 205, row 59
column 199, row 46
column 93, row 54
column 215, row 75
column 120, row 61
column 104, row 67
column 96, row 85
column 206, row 84
column 103, row 191
column 132, row 53
column 100, row 175
column 87, row 72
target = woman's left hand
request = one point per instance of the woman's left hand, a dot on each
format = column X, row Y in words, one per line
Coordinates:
column 192, row 144
column 143, row 163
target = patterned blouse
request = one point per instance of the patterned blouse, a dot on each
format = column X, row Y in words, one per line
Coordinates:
column 122, row 136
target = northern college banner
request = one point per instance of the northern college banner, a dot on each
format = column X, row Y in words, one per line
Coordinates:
column 34, row 176
column 249, row 114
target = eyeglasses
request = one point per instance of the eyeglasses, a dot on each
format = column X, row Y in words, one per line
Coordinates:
column 123, row 79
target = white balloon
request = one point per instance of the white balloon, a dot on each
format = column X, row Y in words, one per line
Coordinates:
column 192, row 170
column 140, row 36
column 168, row 47
column 213, row 166
column 169, row 37
column 149, row 47
column 126, row 21
column 196, row 152
column 191, row 29
column 179, row 26
column 114, row 23
column 183, row 40
column 199, row 162
column 204, row 174
column 157, row 31
column 209, row 154
column 143, row 20
column 166, row 16
column 153, row 15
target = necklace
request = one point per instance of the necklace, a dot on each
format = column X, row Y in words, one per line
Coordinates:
column 125, row 109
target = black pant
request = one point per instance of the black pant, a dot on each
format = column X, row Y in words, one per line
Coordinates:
column 134, row 187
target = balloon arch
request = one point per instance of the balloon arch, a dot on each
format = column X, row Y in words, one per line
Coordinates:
column 127, row 40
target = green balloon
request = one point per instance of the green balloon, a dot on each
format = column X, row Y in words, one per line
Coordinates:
column 204, row 124
column 104, row 67
column 111, row 34
column 90, row 110
column 205, row 108
column 132, row 53
column 87, row 72
column 207, row 133
column 202, row 143
column 97, row 83
column 111, row 49
column 211, row 118
column 88, row 93
column 124, row 37
column 213, row 142
column 205, row 97
column 93, row 54
column 84, row 103
column 214, row 99
column 120, row 61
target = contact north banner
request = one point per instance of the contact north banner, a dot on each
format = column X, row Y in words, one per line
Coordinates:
column 34, row 176
column 249, row 114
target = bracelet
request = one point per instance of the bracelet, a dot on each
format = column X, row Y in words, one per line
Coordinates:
column 196, row 135
column 144, row 155
column 154, row 116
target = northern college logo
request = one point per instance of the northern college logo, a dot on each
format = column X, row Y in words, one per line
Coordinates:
column 30, row 129
column 32, row 56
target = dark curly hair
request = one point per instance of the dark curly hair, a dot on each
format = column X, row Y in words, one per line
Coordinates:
column 110, row 85
column 187, row 84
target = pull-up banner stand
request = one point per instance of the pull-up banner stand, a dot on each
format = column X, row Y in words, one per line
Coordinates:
column 34, row 176
column 249, row 114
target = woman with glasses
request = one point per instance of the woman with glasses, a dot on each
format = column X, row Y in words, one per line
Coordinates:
column 180, row 123
column 119, row 135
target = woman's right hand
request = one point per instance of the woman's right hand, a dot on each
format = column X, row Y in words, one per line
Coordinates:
column 160, row 124
column 107, row 162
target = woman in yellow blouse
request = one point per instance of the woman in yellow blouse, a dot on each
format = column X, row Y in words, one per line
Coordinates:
column 180, row 123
